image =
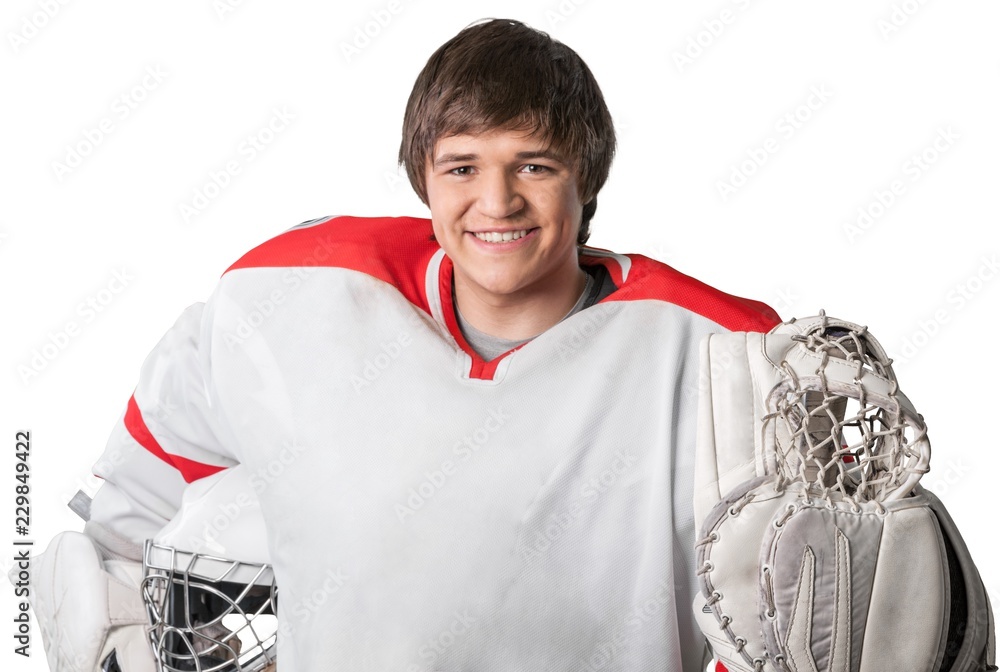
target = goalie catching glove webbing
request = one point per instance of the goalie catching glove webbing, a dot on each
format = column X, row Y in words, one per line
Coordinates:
column 819, row 550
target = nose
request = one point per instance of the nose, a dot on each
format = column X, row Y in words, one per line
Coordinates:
column 499, row 196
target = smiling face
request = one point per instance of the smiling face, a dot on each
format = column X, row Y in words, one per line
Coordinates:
column 507, row 210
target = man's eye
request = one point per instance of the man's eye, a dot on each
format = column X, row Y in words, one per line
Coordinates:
column 535, row 169
column 461, row 171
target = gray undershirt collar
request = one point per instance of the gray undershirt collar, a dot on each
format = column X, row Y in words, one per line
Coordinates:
column 490, row 347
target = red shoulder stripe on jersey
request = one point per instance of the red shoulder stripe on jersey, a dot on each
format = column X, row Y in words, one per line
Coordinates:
column 719, row 667
column 651, row 279
column 136, row 426
column 393, row 249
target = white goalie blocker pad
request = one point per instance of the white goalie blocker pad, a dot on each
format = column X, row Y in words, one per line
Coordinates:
column 208, row 584
column 819, row 550
column 88, row 608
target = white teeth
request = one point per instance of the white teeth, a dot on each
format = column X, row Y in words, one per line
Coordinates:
column 496, row 237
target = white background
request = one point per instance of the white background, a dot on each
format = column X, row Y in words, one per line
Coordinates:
column 894, row 76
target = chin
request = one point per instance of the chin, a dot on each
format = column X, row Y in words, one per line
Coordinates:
column 499, row 285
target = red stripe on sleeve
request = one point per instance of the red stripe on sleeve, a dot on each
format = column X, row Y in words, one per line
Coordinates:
column 136, row 426
column 719, row 667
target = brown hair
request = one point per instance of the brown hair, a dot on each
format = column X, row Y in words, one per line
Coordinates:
column 502, row 74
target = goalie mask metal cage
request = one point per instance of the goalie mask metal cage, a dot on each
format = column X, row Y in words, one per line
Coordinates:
column 208, row 585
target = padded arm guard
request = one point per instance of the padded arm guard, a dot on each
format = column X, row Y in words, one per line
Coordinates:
column 819, row 549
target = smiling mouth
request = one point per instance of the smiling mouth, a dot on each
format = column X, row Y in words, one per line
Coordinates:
column 497, row 237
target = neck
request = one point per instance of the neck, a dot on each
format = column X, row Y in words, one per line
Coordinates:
column 521, row 315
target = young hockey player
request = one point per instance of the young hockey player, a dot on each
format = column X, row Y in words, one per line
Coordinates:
column 481, row 426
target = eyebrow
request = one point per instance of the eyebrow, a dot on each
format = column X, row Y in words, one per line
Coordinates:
column 454, row 157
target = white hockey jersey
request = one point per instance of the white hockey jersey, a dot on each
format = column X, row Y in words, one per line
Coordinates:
column 428, row 510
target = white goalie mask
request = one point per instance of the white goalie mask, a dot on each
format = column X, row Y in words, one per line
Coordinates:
column 208, row 585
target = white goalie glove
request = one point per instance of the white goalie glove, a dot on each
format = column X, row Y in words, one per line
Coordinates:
column 819, row 550
column 88, row 608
